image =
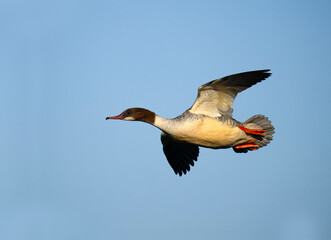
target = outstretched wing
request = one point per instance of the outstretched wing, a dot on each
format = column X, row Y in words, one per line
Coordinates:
column 180, row 155
column 216, row 98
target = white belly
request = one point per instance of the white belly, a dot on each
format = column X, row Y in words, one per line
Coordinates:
column 210, row 133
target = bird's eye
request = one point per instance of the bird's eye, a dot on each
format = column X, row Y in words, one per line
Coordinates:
column 128, row 112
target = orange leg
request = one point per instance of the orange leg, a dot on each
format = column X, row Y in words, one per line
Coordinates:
column 249, row 145
column 253, row 131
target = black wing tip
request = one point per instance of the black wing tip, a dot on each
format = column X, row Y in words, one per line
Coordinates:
column 267, row 71
column 260, row 75
column 262, row 71
column 182, row 170
column 180, row 173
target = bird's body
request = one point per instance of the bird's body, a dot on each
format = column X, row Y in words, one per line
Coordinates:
column 202, row 130
column 208, row 123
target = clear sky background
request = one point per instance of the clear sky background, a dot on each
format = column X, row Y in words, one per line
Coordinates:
column 66, row 173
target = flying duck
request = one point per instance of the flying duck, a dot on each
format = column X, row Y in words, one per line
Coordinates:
column 208, row 123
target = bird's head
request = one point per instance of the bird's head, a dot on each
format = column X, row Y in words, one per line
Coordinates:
column 135, row 114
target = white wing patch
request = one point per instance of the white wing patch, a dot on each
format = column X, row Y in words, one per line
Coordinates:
column 214, row 103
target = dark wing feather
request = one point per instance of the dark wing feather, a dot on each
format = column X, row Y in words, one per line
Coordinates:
column 180, row 155
column 216, row 98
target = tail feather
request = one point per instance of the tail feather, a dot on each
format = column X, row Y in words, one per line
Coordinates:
column 260, row 122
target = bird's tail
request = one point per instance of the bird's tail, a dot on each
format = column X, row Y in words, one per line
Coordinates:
column 260, row 128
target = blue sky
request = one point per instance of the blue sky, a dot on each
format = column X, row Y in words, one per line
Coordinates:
column 66, row 173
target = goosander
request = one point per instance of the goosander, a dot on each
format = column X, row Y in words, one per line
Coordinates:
column 208, row 123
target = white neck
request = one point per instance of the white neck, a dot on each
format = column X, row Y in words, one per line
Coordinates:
column 166, row 125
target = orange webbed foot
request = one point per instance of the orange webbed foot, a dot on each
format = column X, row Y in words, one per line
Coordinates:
column 259, row 132
column 249, row 145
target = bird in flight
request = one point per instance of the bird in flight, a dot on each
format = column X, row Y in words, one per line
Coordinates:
column 208, row 123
